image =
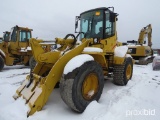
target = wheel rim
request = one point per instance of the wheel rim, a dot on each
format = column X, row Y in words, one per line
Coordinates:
column 90, row 86
column 128, row 71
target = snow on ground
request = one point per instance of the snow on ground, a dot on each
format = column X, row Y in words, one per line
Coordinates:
column 138, row 100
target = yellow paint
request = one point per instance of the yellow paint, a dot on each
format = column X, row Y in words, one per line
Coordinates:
column 128, row 71
column 90, row 86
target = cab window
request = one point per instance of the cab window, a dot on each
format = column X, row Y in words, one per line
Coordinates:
column 13, row 35
column 110, row 27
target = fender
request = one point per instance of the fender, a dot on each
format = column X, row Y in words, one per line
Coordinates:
column 79, row 60
column 97, row 54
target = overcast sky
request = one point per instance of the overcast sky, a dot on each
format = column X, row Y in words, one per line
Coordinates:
column 56, row 18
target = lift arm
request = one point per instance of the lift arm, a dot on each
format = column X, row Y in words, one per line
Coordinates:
column 38, row 86
column 146, row 30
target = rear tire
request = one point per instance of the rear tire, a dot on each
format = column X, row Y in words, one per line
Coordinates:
column 81, row 86
column 123, row 73
column 1, row 63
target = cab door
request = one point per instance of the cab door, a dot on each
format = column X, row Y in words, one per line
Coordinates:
column 110, row 31
column 13, row 44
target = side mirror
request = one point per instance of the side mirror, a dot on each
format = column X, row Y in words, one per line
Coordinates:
column 113, row 17
column 76, row 22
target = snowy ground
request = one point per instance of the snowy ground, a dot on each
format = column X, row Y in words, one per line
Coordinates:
column 139, row 100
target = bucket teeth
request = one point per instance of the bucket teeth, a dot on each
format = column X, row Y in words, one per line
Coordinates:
column 30, row 93
column 19, row 90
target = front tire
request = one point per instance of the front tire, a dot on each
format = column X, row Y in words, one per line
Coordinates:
column 1, row 63
column 83, row 85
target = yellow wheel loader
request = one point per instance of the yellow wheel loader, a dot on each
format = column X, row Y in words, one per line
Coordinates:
column 140, row 50
column 79, row 66
column 14, row 48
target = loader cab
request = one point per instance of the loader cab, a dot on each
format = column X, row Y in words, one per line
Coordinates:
column 19, row 38
column 6, row 35
column 20, row 34
column 97, row 23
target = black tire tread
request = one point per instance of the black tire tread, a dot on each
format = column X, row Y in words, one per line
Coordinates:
column 67, row 96
column 119, row 77
column 118, row 74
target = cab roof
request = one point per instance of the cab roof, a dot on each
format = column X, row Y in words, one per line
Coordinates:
column 101, row 8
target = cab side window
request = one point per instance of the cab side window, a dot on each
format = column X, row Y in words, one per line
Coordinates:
column 28, row 35
column 110, row 27
column 13, row 36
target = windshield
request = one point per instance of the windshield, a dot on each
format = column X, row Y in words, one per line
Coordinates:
column 97, row 24
column 91, row 24
column 24, row 36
